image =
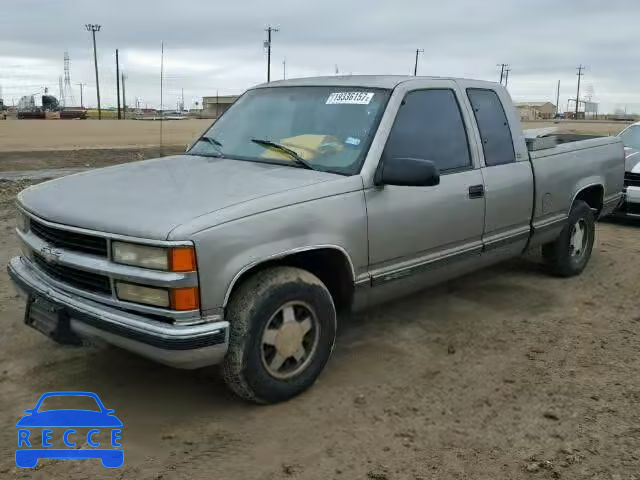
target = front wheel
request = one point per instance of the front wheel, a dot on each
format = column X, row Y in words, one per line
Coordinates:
column 569, row 254
column 283, row 327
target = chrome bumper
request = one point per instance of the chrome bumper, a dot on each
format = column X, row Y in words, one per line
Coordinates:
column 630, row 205
column 181, row 346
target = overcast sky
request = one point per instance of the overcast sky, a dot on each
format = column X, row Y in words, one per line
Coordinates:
column 218, row 46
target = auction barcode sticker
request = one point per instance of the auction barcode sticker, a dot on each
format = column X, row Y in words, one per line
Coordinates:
column 350, row 98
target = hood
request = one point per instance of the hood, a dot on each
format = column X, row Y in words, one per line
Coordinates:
column 148, row 199
column 632, row 160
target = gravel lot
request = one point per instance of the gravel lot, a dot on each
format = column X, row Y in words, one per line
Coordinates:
column 507, row 373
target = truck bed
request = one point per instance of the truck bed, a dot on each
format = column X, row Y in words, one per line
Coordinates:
column 574, row 164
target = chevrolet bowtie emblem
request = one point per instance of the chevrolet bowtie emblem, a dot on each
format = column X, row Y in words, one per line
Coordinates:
column 51, row 255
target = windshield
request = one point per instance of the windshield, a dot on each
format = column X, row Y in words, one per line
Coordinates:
column 631, row 137
column 328, row 127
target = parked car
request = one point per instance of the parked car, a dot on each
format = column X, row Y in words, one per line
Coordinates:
column 308, row 197
column 631, row 138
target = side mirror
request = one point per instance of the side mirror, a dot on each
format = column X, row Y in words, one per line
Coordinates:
column 407, row 172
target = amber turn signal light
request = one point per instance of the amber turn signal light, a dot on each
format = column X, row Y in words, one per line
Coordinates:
column 182, row 259
column 185, row 298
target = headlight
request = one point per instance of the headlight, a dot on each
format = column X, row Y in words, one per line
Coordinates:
column 140, row 255
column 174, row 259
column 22, row 221
column 174, row 298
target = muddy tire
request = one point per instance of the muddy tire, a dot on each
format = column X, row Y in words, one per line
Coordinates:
column 283, row 327
column 569, row 254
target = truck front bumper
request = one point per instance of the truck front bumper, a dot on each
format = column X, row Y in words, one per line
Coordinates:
column 631, row 202
column 180, row 346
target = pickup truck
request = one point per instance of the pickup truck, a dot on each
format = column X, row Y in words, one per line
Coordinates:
column 307, row 198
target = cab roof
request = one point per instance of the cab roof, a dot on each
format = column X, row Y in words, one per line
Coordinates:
column 367, row 81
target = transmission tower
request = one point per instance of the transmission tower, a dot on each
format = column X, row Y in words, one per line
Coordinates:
column 67, row 99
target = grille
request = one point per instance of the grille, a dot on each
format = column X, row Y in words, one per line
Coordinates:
column 70, row 240
column 632, row 179
column 77, row 278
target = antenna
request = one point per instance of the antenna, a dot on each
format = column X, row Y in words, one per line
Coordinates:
column 161, row 97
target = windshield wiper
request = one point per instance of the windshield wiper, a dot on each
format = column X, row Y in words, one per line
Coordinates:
column 292, row 153
column 217, row 145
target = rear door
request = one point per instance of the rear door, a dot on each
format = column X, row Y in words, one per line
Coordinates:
column 507, row 173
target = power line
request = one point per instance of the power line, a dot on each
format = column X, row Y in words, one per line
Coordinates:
column 81, row 85
column 415, row 68
column 93, row 28
column 267, row 45
column 580, row 68
column 68, row 91
column 118, row 83
column 502, row 67
column 124, row 98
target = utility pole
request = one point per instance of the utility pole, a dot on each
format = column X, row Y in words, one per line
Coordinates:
column 182, row 101
column 415, row 68
column 580, row 68
column 161, row 94
column 267, row 45
column 284, row 69
column 81, row 94
column 558, row 99
column 502, row 67
column 506, row 76
column 93, row 28
column 118, row 84
column 61, row 103
column 124, row 99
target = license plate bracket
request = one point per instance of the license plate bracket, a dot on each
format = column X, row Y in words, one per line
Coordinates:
column 50, row 319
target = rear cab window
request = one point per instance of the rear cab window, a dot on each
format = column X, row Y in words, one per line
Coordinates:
column 495, row 133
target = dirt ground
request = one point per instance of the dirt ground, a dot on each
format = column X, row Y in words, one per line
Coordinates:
column 590, row 127
column 33, row 135
column 504, row 374
column 41, row 144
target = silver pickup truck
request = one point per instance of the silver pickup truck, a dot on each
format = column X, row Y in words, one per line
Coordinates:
column 308, row 197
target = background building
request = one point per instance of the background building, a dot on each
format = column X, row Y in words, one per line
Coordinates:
column 213, row 107
column 536, row 110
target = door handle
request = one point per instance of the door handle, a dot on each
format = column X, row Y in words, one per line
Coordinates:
column 476, row 191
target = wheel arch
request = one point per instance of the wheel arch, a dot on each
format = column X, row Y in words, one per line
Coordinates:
column 592, row 194
column 330, row 263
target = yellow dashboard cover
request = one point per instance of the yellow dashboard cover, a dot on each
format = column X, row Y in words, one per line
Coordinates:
column 308, row 146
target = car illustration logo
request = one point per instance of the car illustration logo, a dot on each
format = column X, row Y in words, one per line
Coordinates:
column 102, row 428
column 51, row 255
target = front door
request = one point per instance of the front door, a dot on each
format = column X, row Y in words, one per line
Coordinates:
column 418, row 235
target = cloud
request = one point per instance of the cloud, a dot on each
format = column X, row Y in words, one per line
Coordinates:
column 217, row 46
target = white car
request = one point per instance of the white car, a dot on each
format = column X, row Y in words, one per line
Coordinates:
column 631, row 139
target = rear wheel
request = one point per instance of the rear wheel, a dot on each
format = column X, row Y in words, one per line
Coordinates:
column 569, row 254
column 283, row 326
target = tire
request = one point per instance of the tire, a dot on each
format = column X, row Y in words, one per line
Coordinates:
column 561, row 256
column 261, row 303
